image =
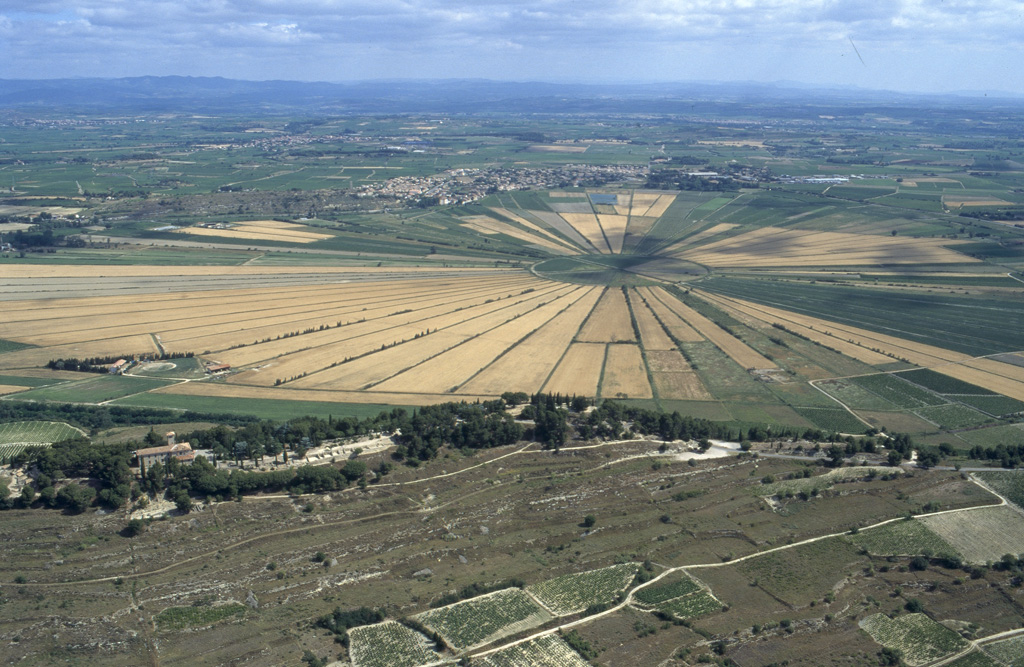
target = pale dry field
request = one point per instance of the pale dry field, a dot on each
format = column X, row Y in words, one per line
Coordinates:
column 383, row 364
column 625, row 375
column 641, row 202
column 609, row 321
column 682, row 386
column 527, row 366
column 958, row 202
column 535, row 228
column 659, row 207
column 257, row 233
column 451, row 369
column 557, row 148
column 773, row 246
column 493, row 226
column 652, row 335
column 981, row 535
column 768, row 316
column 587, row 225
column 673, row 323
column 367, row 337
column 737, row 350
column 697, row 238
column 614, row 228
column 278, row 393
column 559, row 224
column 579, row 371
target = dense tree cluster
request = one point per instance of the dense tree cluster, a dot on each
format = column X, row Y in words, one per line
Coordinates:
column 550, row 419
column 98, row 418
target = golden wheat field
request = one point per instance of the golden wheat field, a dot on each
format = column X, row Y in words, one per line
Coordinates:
column 415, row 335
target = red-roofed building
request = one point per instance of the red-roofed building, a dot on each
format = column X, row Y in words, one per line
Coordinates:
column 181, row 451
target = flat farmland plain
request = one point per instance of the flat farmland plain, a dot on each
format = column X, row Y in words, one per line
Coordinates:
column 364, row 332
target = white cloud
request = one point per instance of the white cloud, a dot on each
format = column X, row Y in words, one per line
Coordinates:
column 518, row 39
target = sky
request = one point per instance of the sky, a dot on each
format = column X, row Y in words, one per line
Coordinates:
column 900, row 45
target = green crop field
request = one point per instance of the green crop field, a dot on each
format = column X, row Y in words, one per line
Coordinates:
column 98, row 389
column 573, row 593
column 11, row 346
column 942, row 384
column 897, row 391
column 953, row 416
column 181, row 618
column 1008, row 484
column 691, row 606
column 259, row 407
column 546, row 651
column 917, row 637
column 1008, row 651
column 671, row 587
column 389, row 644
column 964, row 323
column 36, row 432
column 833, row 420
column 902, row 538
column 482, row 619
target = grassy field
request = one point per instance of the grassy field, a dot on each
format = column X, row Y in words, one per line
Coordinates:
column 99, row 389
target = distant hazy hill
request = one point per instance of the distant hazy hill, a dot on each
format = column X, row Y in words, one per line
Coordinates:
column 177, row 93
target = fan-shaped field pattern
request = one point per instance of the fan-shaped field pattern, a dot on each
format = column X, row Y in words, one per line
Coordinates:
column 674, row 298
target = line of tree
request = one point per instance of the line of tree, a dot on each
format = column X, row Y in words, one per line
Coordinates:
column 102, row 364
column 98, row 418
column 419, row 435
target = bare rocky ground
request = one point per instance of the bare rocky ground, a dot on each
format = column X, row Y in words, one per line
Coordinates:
column 91, row 596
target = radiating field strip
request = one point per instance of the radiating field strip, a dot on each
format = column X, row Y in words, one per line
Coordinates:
column 295, row 312
column 537, row 229
column 579, row 371
column 625, row 375
column 920, row 354
column 588, row 225
column 217, row 390
column 860, row 343
column 672, row 322
column 614, row 229
column 782, row 318
column 110, row 347
column 700, row 237
column 366, row 337
column 559, row 224
column 526, row 366
column 636, row 230
column 652, row 335
column 983, row 534
column 451, row 369
column 683, row 386
column 483, row 222
column 659, row 207
column 255, row 234
column 774, row 246
column 384, row 364
column 609, row 321
column 34, row 309
column 641, row 202
column 413, row 307
column 737, row 350
column 357, row 321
